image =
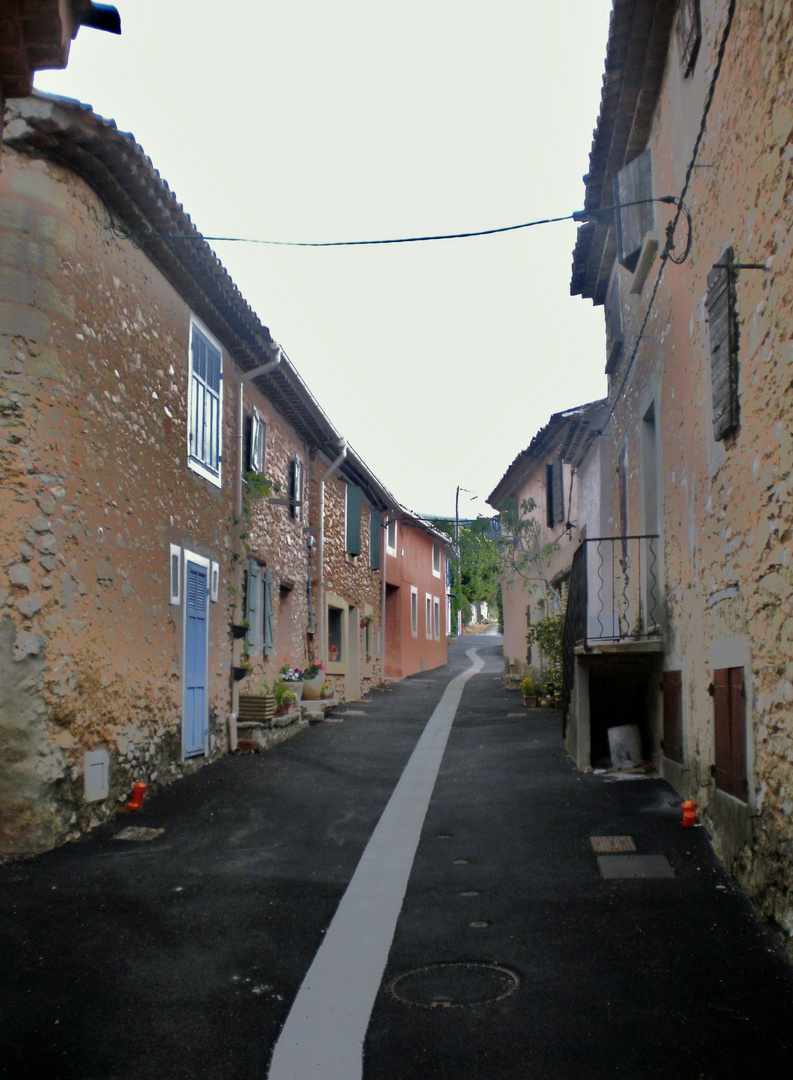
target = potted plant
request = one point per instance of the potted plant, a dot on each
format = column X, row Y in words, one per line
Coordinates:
column 367, row 620
column 239, row 630
column 243, row 669
column 313, row 678
column 294, row 677
column 333, row 653
column 284, row 697
column 326, row 691
column 529, row 687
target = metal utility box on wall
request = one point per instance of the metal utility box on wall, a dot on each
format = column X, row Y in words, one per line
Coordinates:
column 96, row 766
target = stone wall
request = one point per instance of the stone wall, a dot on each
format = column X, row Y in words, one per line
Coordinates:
column 726, row 506
column 94, row 487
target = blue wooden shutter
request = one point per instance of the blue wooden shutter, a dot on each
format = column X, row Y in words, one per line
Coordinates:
column 252, row 604
column 354, row 501
column 374, row 538
column 269, row 643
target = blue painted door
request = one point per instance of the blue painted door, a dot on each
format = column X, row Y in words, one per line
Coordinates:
column 195, row 660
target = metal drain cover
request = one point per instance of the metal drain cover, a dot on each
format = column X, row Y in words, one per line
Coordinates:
column 603, row 844
column 454, row 985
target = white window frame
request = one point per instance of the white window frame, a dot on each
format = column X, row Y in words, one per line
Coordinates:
column 414, row 611
column 436, row 617
column 391, row 549
column 175, row 571
column 428, row 615
column 437, row 547
column 258, row 433
column 195, row 387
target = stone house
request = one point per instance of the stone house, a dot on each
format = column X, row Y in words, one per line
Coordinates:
column 416, row 595
column 539, row 491
column 157, row 456
column 687, row 245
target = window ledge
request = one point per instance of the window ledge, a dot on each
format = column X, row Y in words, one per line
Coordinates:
column 650, row 247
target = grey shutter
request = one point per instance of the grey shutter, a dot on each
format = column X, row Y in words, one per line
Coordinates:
column 723, row 333
column 554, row 493
column 614, row 336
column 354, row 502
column 269, row 641
column 252, row 604
column 374, row 538
column 632, row 184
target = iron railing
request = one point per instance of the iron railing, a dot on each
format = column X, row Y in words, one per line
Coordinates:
column 614, row 594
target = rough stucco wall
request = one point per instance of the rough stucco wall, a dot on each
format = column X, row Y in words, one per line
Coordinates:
column 353, row 580
column 520, row 592
column 727, row 506
column 412, row 566
column 279, row 541
column 93, row 385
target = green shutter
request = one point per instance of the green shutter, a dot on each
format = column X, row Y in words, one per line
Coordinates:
column 374, row 538
column 354, row 502
column 252, row 605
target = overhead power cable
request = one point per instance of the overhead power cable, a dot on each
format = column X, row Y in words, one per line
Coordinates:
column 578, row 215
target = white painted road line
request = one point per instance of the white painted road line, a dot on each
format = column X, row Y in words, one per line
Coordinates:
column 324, row 1032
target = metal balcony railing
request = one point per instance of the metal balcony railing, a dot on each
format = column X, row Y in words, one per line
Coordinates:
column 614, row 594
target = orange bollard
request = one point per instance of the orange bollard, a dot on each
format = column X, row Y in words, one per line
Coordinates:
column 138, row 794
column 689, row 814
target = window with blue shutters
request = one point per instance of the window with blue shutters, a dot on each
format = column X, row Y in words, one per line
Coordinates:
column 205, row 405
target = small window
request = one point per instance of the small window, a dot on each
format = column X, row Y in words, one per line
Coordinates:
column 214, row 582
column 436, row 559
column 689, row 34
column 296, row 488
column 176, row 575
column 258, row 431
column 391, row 538
column 428, row 613
column 205, row 401
column 635, row 217
column 554, row 493
column 335, row 640
column 729, row 722
column 614, row 336
column 723, row 334
column 436, row 616
column 352, row 517
column 414, row 611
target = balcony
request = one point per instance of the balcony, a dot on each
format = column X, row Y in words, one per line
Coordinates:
column 614, row 603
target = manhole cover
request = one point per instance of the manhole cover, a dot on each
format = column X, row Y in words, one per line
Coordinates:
column 604, row 844
column 454, row 985
column 138, row 832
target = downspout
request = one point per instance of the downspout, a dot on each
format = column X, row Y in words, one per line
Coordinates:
column 321, row 628
column 262, row 369
column 383, row 558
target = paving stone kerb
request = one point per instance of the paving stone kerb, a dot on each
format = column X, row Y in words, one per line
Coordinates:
column 181, row 956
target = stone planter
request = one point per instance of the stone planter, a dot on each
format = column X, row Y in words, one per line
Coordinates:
column 312, row 688
column 530, row 701
column 259, row 708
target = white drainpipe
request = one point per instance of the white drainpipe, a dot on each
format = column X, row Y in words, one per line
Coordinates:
column 321, row 554
column 262, row 369
column 383, row 558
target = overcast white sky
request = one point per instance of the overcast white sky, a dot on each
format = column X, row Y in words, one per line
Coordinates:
column 309, row 120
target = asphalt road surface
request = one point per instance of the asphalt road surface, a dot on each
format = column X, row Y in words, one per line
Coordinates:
column 422, row 888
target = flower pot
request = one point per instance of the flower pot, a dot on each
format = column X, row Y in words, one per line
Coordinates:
column 326, row 693
column 239, row 673
column 238, row 630
column 530, row 701
column 312, row 688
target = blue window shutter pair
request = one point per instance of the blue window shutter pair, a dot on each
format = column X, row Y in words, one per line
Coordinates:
column 374, row 538
column 354, row 503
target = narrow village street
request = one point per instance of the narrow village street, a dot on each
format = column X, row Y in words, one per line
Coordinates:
column 519, row 950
